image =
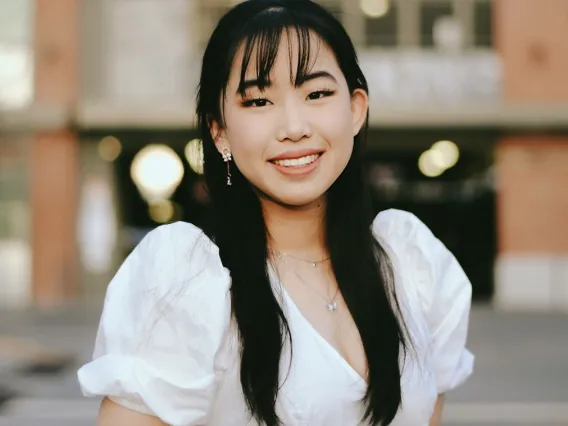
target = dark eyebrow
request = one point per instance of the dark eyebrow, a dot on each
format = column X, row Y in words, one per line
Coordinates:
column 247, row 84
column 313, row 76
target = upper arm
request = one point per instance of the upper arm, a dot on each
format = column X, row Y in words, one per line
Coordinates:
column 113, row 414
column 160, row 349
column 445, row 297
column 441, row 288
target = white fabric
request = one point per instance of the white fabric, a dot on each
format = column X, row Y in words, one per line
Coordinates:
column 166, row 345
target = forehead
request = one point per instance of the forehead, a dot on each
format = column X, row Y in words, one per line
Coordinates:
column 289, row 57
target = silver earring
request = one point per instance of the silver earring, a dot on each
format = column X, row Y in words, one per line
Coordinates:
column 227, row 157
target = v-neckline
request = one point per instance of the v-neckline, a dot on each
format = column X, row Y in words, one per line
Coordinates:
column 290, row 302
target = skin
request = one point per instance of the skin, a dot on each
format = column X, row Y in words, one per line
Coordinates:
column 436, row 419
column 321, row 114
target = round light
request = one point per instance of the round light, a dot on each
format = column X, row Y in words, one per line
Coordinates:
column 109, row 148
column 375, row 8
column 157, row 172
column 448, row 152
column 194, row 155
column 429, row 164
column 437, row 158
column 162, row 211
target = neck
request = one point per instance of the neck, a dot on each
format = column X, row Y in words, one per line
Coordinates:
column 298, row 231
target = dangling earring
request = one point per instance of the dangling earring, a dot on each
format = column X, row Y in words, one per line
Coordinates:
column 227, row 157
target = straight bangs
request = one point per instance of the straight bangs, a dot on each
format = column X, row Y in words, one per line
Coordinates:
column 261, row 40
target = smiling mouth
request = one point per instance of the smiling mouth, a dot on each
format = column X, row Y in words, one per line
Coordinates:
column 297, row 162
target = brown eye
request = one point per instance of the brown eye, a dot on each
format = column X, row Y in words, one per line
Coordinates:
column 256, row 103
column 320, row 94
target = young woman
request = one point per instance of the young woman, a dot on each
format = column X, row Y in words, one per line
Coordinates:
column 300, row 309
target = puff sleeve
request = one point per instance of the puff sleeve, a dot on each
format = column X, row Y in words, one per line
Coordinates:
column 442, row 289
column 159, row 346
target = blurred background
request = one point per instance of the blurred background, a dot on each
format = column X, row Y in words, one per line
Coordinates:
column 468, row 130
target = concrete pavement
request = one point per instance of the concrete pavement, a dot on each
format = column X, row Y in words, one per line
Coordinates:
column 521, row 375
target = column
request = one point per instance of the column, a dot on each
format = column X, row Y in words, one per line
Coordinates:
column 54, row 155
column 532, row 170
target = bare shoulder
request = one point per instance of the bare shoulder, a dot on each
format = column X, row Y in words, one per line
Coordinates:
column 113, row 414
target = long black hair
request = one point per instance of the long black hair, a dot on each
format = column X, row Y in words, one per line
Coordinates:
column 361, row 266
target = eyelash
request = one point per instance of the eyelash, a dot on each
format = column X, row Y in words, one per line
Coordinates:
column 251, row 102
column 324, row 92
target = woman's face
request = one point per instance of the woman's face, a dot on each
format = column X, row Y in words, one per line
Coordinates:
column 292, row 141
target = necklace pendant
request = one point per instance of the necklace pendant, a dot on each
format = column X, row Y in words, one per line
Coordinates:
column 314, row 264
column 332, row 307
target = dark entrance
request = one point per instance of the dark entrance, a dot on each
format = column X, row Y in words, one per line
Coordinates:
column 458, row 206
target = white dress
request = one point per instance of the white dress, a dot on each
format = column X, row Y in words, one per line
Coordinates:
column 166, row 345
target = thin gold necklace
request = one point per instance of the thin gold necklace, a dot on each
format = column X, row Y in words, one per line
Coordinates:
column 331, row 305
column 311, row 262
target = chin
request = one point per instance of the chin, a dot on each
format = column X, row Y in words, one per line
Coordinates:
column 297, row 200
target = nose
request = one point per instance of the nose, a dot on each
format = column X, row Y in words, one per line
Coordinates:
column 294, row 123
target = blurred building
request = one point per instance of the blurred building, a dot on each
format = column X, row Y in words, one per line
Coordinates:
column 86, row 87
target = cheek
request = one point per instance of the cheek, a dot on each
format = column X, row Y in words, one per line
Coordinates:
column 336, row 126
column 247, row 138
column 245, row 134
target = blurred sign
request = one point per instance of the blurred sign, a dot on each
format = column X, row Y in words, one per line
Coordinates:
column 149, row 50
column 390, row 185
column 427, row 77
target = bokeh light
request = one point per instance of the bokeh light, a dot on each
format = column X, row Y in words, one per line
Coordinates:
column 449, row 152
column 429, row 164
column 109, row 148
column 375, row 8
column 157, row 172
column 194, row 155
column 441, row 156
column 161, row 211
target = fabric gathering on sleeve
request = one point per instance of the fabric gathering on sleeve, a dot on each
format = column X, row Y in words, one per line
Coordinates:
column 166, row 316
column 442, row 289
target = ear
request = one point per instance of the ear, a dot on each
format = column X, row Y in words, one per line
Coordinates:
column 359, row 108
column 219, row 135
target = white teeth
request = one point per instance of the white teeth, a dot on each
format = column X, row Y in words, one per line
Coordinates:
column 295, row 162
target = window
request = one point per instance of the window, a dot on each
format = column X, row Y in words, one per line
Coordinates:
column 382, row 31
column 430, row 13
column 211, row 11
column 483, row 24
